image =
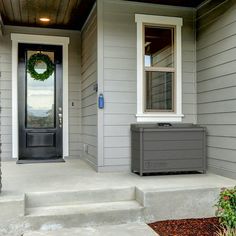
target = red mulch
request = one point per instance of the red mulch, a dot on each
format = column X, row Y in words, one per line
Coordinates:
column 190, row 227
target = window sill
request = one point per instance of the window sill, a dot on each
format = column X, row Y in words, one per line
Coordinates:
column 165, row 117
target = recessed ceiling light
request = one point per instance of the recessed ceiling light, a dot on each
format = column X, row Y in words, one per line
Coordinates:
column 44, row 19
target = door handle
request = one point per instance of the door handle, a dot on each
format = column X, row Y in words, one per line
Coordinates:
column 60, row 120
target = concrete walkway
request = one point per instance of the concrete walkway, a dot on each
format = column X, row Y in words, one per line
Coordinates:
column 71, row 194
column 77, row 175
column 134, row 229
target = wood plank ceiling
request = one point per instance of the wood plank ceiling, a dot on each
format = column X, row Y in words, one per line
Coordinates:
column 64, row 14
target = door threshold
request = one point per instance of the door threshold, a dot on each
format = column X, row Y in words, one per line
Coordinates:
column 40, row 161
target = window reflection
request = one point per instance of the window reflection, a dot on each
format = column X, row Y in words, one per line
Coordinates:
column 159, row 91
column 159, row 68
column 159, row 46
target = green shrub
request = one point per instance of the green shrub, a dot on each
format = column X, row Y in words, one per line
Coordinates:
column 226, row 232
column 226, row 207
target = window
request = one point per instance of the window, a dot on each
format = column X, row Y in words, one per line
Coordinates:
column 159, row 64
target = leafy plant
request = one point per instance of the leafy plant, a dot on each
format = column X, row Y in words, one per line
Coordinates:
column 226, row 208
column 226, row 232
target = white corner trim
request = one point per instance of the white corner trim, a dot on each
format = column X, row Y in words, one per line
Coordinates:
column 38, row 39
column 65, row 102
column 15, row 128
column 159, row 20
column 89, row 16
column 100, row 81
column 1, row 26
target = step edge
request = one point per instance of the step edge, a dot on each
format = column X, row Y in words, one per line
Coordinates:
column 39, row 199
column 99, row 207
column 36, row 194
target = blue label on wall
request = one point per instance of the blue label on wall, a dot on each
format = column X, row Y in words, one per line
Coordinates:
column 101, row 101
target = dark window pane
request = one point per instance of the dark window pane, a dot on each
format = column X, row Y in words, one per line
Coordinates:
column 159, row 91
column 40, row 97
column 159, row 46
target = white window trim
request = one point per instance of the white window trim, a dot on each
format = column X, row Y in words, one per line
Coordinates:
column 141, row 115
column 38, row 39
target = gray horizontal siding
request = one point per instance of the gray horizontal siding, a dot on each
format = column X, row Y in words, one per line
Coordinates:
column 5, row 97
column 75, row 131
column 120, row 72
column 216, row 84
column 89, row 96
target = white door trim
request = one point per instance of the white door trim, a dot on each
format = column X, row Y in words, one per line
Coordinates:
column 38, row 39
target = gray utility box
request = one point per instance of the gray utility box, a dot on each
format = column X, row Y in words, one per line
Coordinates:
column 167, row 148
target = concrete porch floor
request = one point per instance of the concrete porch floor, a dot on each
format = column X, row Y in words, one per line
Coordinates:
column 60, row 196
column 75, row 174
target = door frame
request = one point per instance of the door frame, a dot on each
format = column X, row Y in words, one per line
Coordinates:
column 39, row 39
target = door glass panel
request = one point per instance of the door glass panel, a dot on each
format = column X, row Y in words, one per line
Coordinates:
column 40, row 111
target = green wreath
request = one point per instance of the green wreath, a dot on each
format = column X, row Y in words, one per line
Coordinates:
column 34, row 60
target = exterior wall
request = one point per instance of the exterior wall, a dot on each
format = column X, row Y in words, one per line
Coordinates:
column 75, row 140
column 88, row 84
column 216, row 83
column 0, row 159
column 118, row 31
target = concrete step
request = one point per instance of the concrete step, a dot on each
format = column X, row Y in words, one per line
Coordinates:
column 137, row 229
column 43, row 199
column 68, row 216
column 11, row 205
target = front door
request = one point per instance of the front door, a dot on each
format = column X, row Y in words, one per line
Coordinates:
column 40, row 101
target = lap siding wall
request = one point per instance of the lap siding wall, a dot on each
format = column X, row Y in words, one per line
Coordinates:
column 216, row 83
column 88, row 83
column 119, row 33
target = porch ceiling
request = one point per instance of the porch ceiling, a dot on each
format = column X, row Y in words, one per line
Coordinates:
column 64, row 14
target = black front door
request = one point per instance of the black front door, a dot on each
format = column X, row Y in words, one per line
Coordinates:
column 40, row 102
